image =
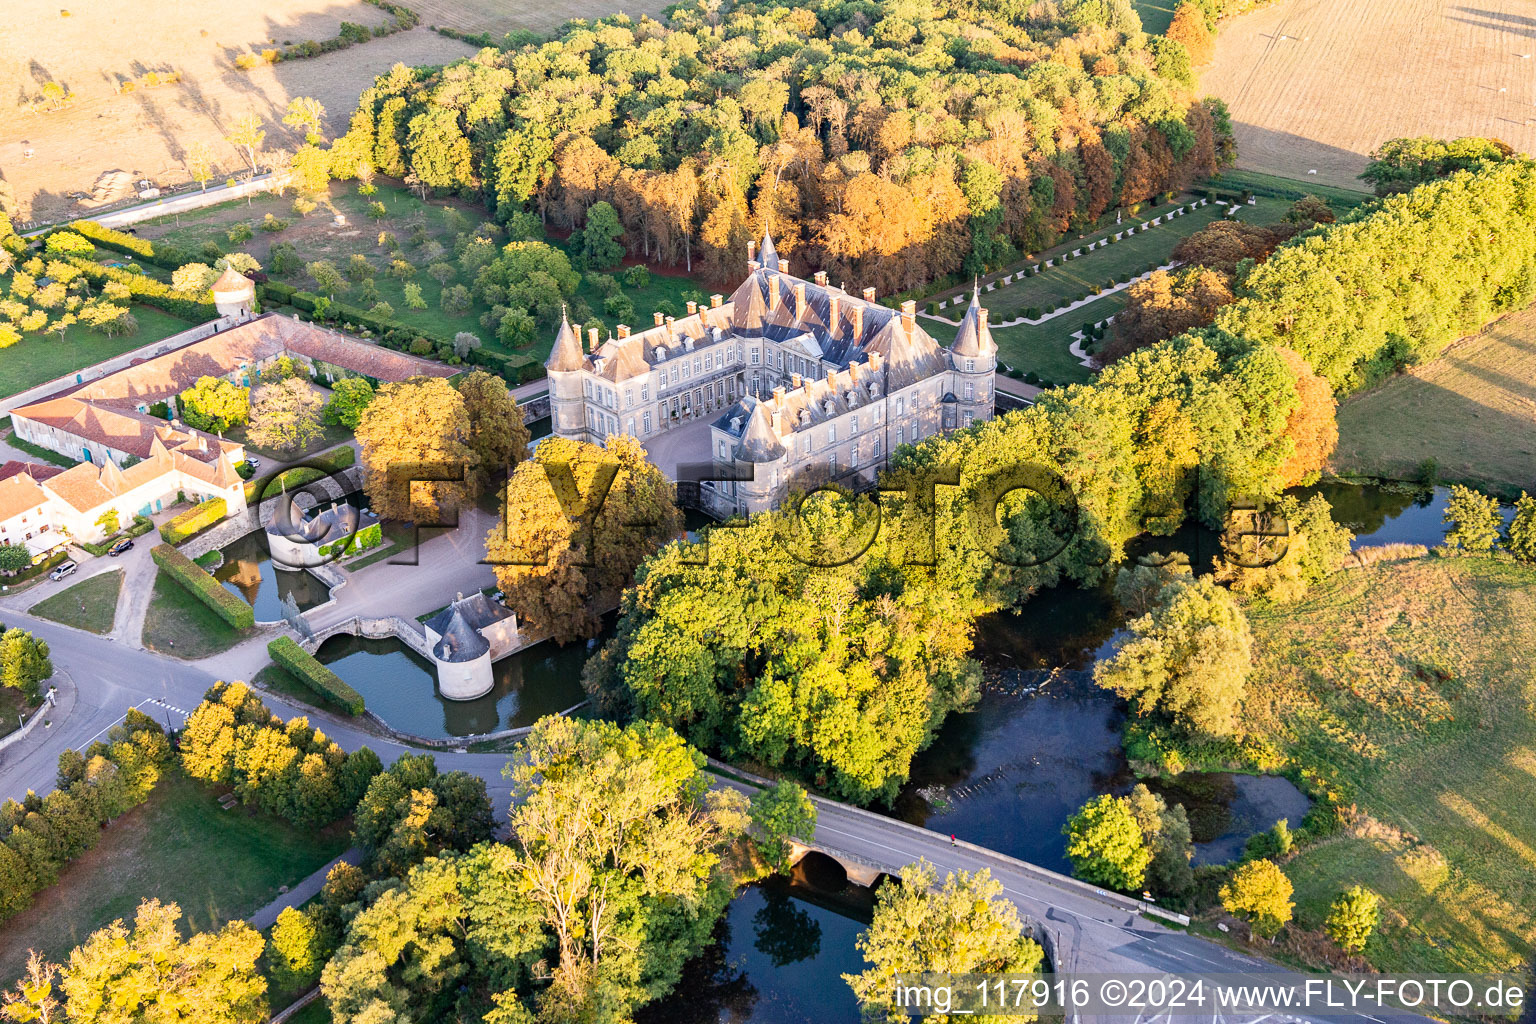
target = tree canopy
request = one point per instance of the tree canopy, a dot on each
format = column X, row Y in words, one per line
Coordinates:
column 415, row 430
column 576, row 521
column 683, row 139
column 214, row 404
column 1187, row 659
column 964, row 926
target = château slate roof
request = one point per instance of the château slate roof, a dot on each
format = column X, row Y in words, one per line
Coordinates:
column 319, row 526
column 974, row 337
column 458, row 627
column 758, row 442
column 458, row 640
column 566, row 355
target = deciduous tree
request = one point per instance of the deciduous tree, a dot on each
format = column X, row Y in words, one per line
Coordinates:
column 214, row 404
column 966, row 925
column 285, row 415
column 1106, row 844
column 1188, row 659
column 415, row 429
column 349, row 397
column 1474, row 521
column 150, row 973
column 498, row 438
column 577, row 520
column 778, row 814
column 1352, row 918
column 1259, row 893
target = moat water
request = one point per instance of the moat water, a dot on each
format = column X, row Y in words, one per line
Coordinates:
column 394, row 680
column 248, row 572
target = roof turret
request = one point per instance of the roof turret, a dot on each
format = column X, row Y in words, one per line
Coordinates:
column 566, row 355
column 974, row 337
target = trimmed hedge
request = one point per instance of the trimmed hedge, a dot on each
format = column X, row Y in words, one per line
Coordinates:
column 233, row 610
column 196, row 307
column 194, row 521
column 163, row 254
column 304, row 667
column 321, row 465
column 368, row 537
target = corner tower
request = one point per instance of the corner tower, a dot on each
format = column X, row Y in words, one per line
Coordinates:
column 973, row 359
column 567, row 406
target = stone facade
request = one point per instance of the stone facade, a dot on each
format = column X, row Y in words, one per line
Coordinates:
column 801, row 383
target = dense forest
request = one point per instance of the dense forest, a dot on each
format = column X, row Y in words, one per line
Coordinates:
column 889, row 143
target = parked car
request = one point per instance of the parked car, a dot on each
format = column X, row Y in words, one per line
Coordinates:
column 126, row 544
column 63, row 570
column 253, row 462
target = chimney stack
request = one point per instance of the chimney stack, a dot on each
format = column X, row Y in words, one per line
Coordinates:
column 657, row 315
column 751, row 251
column 799, row 300
column 783, row 266
column 592, row 338
column 981, row 315
column 909, row 312
column 715, row 300
column 778, row 422
column 623, row 330
column 796, row 380
column 778, row 393
column 821, row 278
column 693, row 307
column 669, row 324
column 858, row 322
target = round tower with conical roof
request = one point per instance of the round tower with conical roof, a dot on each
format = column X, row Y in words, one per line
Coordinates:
column 760, row 451
column 567, row 404
column 234, row 294
column 973, row 356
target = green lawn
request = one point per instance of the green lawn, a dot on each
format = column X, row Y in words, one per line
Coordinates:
column 90, row 604
column 39, row 358
column 39, row 452
column 1468, row 409
column 179, row 846
column 1131, row 256
column 1156, row 15
column 180, row 625
column 13, row 703
column 1043, row 348
column 1260, row 184
column 1408, row 689
column 315, row 238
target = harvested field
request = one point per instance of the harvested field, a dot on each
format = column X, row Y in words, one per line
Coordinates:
column 1317, row 86
column 105, row 140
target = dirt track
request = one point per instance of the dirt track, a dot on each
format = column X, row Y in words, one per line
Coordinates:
column 1317, row 84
